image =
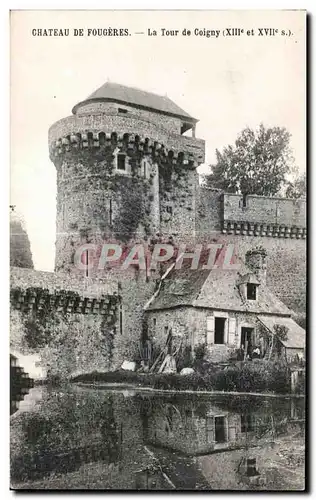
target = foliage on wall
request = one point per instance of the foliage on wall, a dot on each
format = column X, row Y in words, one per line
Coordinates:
column 94, row 175
column 66, row 341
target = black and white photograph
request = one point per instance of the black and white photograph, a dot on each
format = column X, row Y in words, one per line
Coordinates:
column 158, row 243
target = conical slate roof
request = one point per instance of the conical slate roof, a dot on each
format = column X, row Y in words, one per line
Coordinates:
column 137, row 97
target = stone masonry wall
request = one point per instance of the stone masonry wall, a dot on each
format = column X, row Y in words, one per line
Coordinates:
column 98, row 204
column 286, row 266
column 286, row 259
column 178, row 320
column 286, row 256
column 190, row 325
column 178, row 203
column 72, row 328
column 169, row 123
column 265, row 210
column 79, row 343
column 135, row 291
column 208, row 214
column 101, row 123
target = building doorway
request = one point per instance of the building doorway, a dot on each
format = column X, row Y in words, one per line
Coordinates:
column 246, row 340
column 219, row 331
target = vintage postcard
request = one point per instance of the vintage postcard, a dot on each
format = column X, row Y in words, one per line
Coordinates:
column 158, row 250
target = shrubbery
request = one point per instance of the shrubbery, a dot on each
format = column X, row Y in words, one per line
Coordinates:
column 200, row 351
column 253, row 376
column 261, row 376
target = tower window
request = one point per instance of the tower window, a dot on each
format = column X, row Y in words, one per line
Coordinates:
column 144, row 168
column 87, row 263
column 121, row 160
column 111, row 212
column 169, row 209
column 251, row 291
column 121, row 318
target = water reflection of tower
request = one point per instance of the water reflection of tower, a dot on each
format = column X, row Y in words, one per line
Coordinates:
column 111, row 433
column 128, row 414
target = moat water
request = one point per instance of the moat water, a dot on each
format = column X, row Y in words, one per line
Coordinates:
column 81, row 438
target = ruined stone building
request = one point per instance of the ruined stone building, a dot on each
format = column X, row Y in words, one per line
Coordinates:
column 126, row 172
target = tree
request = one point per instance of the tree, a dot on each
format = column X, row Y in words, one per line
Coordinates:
column 297, row 188
column 20, row 248
column 257, row 163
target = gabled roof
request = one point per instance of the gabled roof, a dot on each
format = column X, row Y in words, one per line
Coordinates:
column 136, row 97
column 296, row 335
column 214, row 289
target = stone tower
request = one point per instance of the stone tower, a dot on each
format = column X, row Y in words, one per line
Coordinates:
column 125, row 171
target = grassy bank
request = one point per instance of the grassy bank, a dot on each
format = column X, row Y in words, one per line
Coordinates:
column 244, row 377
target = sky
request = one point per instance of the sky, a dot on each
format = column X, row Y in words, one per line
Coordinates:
column 228, row 83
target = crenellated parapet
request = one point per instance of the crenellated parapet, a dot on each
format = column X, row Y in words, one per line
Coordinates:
column 251, row 229
column 263, row 216
column 62, row 301
column 92, row 132
column 39, row 291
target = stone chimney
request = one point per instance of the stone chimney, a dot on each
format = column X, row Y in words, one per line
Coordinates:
column 256, row 260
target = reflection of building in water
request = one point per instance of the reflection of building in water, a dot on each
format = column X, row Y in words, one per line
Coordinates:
column 235, row 469
column 126, row 442
column 183, row 429
column 233, row 448
column 99, row 434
